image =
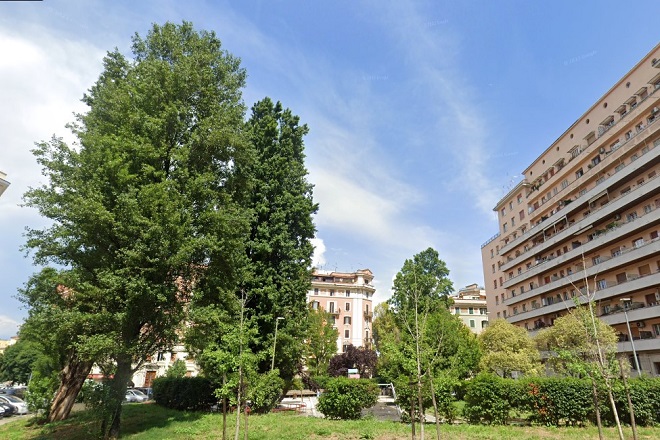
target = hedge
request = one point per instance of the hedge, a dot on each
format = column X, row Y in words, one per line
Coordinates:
column 345, row 398
column 184, row 393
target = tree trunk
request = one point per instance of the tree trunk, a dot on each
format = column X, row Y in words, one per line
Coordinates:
column 614, row 411
column 412, row 416
column 224, row 408
column 118, row 387
column 633, row 425
column 435, row 406
column 72, row 378
column 599, row 423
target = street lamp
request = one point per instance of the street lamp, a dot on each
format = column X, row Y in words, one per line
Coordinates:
column 625, row 302
column 272, row 362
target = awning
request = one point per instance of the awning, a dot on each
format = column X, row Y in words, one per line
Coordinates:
column 598, row 196
column 555, row 222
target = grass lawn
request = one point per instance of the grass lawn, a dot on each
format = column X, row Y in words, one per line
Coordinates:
column 151, row 422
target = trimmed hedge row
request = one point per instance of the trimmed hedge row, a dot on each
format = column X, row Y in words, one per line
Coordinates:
column 557, row 401
column 184, row 393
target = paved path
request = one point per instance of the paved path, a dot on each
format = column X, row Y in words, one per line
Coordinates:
column 384, row 409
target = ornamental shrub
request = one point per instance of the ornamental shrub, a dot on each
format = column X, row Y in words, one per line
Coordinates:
column 488, row 399
column 346, row 398
column 644, row 394
column 184, row 393
column 553, row 401
column 265, row 392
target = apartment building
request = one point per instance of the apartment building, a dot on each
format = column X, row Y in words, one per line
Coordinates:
column 348, row 299
column 470, row 306
column 585, row 220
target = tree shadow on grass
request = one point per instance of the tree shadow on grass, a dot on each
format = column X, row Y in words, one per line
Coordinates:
column 135, row 418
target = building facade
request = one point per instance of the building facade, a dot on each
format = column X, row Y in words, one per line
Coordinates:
column 470, row 306
column 584, row 222
column 348, row 299
column 4, row 184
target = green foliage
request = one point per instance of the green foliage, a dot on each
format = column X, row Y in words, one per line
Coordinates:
column 149, row 199
column 177, row 369
column 321, row 341
column 265, row 391
column 40, row 392
column 554, row 401
column 345, row 398
column 488, row 399
column 18, row 361
column 508, row 348
column 644, row 392
column 184, row 393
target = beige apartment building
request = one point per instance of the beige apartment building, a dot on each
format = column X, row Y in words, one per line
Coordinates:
column 348, row 299
column 585, row 219
column 470, row 306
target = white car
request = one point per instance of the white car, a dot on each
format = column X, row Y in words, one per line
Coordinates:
column 136, row 396
column 18, row 404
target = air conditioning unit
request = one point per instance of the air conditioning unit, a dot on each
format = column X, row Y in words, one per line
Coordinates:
column 602, row 150
column 544, row 302
column 640, row 324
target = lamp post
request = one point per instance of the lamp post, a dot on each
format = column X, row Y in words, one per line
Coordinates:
column 272, row 362
column 625, row 302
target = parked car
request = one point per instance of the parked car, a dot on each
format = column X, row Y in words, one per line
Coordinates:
column 19, row 404
column 6, row 409
column 148, row 391
column 136, row 396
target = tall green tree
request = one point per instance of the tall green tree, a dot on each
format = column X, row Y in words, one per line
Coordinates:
column 18, row 360
column 321, row 341
column 146, row 205
column 279, row 250
column 421, row 288
column 508, row 348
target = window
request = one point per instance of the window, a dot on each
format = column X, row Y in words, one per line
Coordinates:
column 616, row 252
column 504, row 227
column 513, row 221
column 458, row 310
column 482, row 311
column 316, row 291
column 347, row 320
column 596, row 259
column 519, row 198
column 601, row 284
column 638, row 242
column 470, row 311
column 348, row 293
column 647, row 209
column 493, row 268
column 331, row 307
column 347, row 334
column 619, row 167
column 579, row 173
column 632, row 216
column 503, row 212
column 332, row 292
column 595, row 161
column 510, row 205
column 160, row 356
column 521, row 214
column 315, row 305
column 344, row 348
column 492, row 253
column 471, row 323
column 347, row 307
column 494, row 284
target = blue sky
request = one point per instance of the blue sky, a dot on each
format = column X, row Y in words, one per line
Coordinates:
column 421, row 113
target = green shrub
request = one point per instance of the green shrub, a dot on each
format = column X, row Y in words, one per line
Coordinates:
column 553, row 401
column 644, row 394
column 265, row 392
column 445, row 396
column 184, row 393
column 40, row 393
column 346, row 398
column 488, row 399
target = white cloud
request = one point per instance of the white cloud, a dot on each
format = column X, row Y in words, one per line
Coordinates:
column 318, row 259
column 8, row 326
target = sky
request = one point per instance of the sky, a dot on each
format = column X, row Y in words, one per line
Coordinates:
column 422, row 114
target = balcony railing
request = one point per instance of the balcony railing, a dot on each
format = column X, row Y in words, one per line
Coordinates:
column 368, row 315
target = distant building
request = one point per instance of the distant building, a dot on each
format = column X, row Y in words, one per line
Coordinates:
column 5, row 343
column 4, row 184
column 584, row 222
column 470, row 306
column 348, row 298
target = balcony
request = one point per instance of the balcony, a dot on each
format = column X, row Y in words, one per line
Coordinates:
column 615, row 179
column 611, row 291
column 334, row 312
column 639, row 311
column 368, row 315
column 641, row 345
column 604, row 238
column 647, row 190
